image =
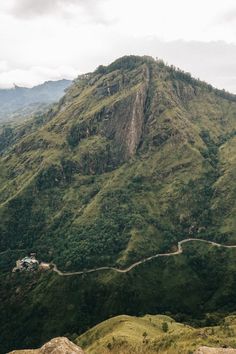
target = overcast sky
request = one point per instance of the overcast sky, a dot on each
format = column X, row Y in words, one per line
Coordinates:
column 52, row 39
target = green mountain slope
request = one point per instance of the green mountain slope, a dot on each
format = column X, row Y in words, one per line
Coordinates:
column 135, row 157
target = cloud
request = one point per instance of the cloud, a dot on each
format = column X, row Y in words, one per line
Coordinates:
column 229, row 16
column 28, row 9
column 3, row 66
column 52, row 34
column 213, row 62
column 226, row 17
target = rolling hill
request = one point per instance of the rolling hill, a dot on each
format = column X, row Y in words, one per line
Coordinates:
column 155, row 334
column 148, row 334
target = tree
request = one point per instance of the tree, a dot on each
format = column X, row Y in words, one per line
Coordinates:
column 165, row 327
column 144, row 337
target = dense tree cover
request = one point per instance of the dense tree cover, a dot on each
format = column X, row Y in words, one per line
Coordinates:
column 197, row 287
column 128, row 62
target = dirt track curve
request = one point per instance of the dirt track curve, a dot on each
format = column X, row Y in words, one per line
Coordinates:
column 136, row 264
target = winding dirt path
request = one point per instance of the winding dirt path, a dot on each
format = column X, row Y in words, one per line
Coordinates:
column 136, row 264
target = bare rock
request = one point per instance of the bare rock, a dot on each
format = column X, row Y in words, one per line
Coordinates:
column 60, row 345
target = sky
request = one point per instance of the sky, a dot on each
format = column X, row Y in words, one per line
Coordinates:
column 53, row 39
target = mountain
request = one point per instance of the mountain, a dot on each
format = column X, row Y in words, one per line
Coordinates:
column 136, row 157
column 21, row 101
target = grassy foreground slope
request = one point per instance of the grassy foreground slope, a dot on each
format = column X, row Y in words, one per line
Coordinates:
column 154, row 334
column 149, row 334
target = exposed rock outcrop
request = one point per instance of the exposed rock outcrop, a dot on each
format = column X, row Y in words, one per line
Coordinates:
column 60, row 345
column 125, row 124
column 208, row 350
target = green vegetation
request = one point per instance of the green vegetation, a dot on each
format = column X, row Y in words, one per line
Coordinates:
column 135, row 157
column 197, row 288
column 123, row 334
column 165, row 327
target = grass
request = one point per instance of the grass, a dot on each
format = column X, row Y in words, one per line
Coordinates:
column 225, row 186
column 127, row 334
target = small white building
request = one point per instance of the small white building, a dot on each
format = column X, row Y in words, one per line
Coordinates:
column 26, row 264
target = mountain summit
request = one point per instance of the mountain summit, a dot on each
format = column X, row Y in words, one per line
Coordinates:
column 135, row 157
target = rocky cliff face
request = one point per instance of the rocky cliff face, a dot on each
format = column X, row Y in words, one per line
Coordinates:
column 126, row 122
column 60, row 345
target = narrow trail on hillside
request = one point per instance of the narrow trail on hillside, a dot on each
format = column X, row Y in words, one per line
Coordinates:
column 134, row 265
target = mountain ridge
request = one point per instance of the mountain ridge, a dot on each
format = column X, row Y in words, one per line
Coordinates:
column 157, row 333
column 20, row 102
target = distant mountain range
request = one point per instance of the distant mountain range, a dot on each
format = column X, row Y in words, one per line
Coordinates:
column 21, row 101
